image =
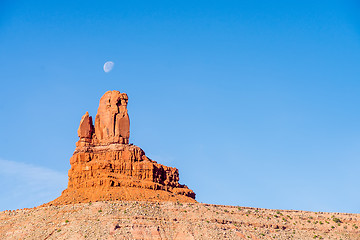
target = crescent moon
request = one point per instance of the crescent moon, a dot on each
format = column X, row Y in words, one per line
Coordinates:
column 108, row 66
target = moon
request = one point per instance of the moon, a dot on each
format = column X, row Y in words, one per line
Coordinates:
column 108, row 66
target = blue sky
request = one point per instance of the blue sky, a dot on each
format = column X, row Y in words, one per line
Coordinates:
column 256, row 102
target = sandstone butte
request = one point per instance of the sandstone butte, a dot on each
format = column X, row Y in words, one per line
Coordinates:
column 147, row 200
column 105, row 166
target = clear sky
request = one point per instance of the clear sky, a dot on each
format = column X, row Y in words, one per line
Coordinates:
column 255, row 102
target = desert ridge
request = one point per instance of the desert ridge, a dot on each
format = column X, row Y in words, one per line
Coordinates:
column 174, row 220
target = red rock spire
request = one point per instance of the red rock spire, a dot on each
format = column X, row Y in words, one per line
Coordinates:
column 86, row 127
column 105, row 166
column 112, row 124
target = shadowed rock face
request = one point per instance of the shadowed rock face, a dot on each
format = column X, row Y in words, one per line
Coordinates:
column 112, row 124
column 86, row 128
column 105, row 166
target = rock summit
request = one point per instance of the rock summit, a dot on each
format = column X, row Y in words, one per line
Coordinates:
column 105, row 166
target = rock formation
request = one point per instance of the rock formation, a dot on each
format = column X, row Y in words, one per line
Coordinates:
column 105, row 166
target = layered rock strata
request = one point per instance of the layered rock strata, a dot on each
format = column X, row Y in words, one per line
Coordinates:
column 105, row 166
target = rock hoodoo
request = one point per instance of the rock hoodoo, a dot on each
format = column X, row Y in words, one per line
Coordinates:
column 105, row 166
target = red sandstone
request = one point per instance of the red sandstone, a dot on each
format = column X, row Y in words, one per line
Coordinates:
column 105, row 166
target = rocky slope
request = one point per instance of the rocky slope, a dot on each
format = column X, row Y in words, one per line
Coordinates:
column 171, row 220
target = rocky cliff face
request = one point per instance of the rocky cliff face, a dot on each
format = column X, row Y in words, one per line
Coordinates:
column 105, row 166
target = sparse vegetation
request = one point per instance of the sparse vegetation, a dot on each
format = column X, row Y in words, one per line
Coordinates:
column 336, row 220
